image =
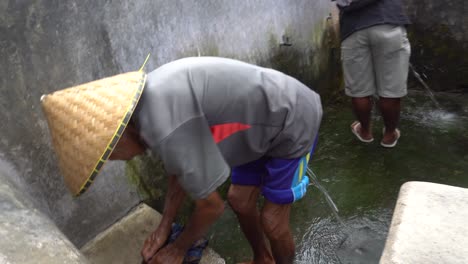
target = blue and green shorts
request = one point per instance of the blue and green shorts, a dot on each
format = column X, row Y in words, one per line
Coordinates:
column 282, row 181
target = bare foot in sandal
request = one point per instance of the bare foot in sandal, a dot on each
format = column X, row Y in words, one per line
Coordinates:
column 360, row 133
column 390, row 139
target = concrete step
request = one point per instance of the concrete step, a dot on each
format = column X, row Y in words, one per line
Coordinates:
column 122, row 242
column 429, row 225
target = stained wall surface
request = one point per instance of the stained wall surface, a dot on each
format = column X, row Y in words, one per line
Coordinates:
column 440, row 42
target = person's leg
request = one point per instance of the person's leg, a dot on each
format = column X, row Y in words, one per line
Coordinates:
column 390, row 110
column 359, row 79
column 391, row 50
column 285, row 183
column 362, row 107
column 243, row 200
column 242, row 197
column 275, row 222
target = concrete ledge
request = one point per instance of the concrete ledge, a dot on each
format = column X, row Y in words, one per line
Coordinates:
column 122, row 242
column 429, row 225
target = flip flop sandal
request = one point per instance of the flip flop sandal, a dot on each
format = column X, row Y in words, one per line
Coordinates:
column 175, row 232
column 195, row 252
column 354, row 127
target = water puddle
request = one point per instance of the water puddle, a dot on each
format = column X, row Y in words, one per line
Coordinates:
column 353, row 244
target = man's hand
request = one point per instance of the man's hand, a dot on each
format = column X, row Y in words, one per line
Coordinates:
column 169, row 254
column 174, row 197
column 153, row 243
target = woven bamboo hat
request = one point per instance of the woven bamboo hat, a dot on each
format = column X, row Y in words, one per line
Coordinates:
column 86, row 122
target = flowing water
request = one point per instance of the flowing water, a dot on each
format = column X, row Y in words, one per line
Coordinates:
column 364, row 180
column 430, row 93
column 331, row 203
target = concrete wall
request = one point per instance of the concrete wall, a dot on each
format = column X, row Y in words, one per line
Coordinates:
column 440, row 42
column 46, row 45
column 27, row 235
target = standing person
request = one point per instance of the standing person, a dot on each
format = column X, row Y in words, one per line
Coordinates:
column 202, row 116
column 375, row 55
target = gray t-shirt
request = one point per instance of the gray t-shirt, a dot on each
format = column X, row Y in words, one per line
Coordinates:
column 203, row 115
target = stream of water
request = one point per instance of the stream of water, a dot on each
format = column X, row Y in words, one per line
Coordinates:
column 364, row 181
column 429, row 91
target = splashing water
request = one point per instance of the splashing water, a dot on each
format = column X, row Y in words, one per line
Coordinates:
column 440, row 115
column 432, row 118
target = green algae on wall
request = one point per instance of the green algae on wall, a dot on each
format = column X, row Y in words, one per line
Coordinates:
column 315, row 63
column 329, row 75
column 207, row 47
column 148, row 175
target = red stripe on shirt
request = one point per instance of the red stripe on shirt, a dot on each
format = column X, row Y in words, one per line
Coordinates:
column 221, row 132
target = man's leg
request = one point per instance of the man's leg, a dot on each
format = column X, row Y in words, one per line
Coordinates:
column 275, row 222
column 362, row 107
column 285, row 183
column 390, row 110
column 358, row 71
column 243, row 200
column 391, row 50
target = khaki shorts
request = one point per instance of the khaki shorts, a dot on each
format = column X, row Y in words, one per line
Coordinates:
column 375, row 61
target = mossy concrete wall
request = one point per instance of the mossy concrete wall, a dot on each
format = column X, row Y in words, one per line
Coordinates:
column 439, row 39
column 47, row 45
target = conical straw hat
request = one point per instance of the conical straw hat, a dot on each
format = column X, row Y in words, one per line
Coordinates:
column 86, row 122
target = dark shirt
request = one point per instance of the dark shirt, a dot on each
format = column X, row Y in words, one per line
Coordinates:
column 361, row 14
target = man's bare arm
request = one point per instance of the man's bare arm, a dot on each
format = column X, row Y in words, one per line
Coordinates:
column 207, row 211
column 174, row 197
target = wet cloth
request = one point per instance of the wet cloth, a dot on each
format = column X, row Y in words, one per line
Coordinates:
column 282, row 181
column 204, row 115
column 361, row 14
column 375, row 61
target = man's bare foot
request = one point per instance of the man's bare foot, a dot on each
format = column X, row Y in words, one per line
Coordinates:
column 390, row 138
column 360, row 133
